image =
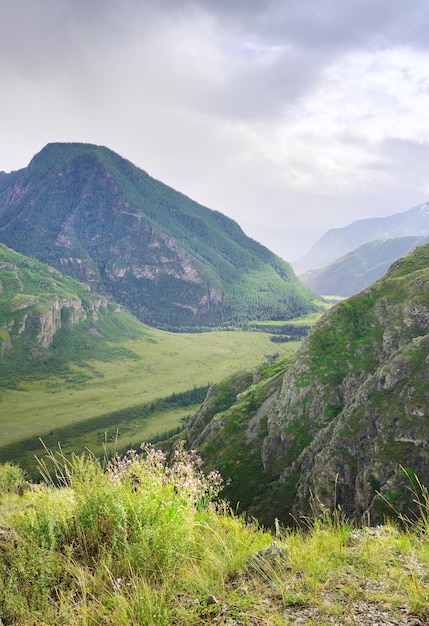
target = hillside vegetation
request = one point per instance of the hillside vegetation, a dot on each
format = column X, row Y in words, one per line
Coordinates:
column 78, row 369
column 342, row 419
column 144, row 541
column 172, row 262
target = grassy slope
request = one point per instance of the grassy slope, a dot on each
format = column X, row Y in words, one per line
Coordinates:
column 141, row 545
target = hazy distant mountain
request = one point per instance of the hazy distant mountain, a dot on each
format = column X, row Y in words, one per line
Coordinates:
column 90, row 213
column 361, row 267
column 337, row 242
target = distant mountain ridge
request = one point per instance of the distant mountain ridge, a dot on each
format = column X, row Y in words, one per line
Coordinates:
column 337, row 242
column 361, row 267
column 174, row 263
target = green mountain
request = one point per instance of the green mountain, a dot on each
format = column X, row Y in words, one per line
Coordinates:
column 172, row 262
column 361, row 267
column 346, row 423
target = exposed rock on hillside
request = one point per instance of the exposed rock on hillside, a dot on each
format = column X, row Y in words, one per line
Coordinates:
column 351, row 418
column 69, row 309
column 37, row 302
column 353, row 407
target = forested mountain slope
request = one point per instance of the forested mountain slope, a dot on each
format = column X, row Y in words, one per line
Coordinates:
column 90, row 213
column 349, row 418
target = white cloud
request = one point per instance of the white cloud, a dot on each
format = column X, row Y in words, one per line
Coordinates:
column 287, row 116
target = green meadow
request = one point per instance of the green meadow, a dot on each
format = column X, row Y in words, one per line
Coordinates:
column 105, row 378
column 108, row 401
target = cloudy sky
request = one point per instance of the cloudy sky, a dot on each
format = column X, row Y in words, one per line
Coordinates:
column 290, row 116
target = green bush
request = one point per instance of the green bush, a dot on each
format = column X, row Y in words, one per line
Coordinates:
column 12, row 479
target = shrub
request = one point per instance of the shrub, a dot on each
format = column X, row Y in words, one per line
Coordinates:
column 139, row 511
column 12, row 479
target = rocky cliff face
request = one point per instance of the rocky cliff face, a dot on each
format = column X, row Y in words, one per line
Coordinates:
column 350, row 422
column 65, row 310
column 353, row 408
column 46, row 316
column 36, row 301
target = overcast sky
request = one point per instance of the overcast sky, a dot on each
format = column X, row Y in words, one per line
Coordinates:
column 290, row 116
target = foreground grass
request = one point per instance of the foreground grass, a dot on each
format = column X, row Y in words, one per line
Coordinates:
column 141, row 542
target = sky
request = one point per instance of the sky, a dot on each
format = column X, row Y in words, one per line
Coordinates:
column 290, row 116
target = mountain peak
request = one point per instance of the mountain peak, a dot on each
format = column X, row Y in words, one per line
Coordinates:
column 63, row 151
column 94, row 215
column 423, row 209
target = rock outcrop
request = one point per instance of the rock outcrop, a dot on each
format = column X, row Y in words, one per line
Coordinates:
column 352, row 416
column 348, row 423
column 37, row 302
column 47, row 317
column 70, row 310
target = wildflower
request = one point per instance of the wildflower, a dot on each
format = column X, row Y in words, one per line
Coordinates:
column 185, row 472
